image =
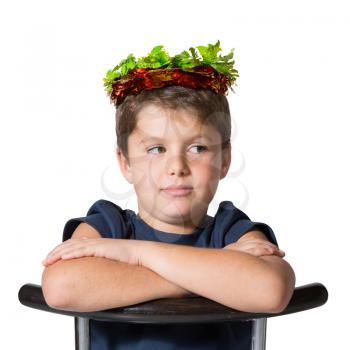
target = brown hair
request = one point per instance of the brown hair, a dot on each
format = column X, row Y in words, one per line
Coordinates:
column 211, row 107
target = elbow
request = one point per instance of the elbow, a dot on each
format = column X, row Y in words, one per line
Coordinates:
column 280, row 293
column 56, row 288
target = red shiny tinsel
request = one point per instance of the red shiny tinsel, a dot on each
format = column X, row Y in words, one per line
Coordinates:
column 139, row 79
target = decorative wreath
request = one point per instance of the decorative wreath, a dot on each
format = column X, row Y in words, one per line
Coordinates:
column 201, row 68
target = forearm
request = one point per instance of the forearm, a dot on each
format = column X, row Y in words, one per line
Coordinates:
column 236, row 279
column 91, row 283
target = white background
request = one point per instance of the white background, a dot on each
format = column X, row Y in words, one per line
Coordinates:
column 290, row 158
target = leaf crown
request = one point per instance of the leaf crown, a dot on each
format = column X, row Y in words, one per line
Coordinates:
column 186, row 60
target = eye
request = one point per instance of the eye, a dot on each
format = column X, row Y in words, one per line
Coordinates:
column 204, row 148
column 153, row 148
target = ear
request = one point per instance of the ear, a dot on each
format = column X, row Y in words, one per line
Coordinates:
column 226, row 161
column 124, row 165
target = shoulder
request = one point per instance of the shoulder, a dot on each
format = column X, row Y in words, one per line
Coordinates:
column 234, row 224
column 109, row 210
column 230, row 214
column 103, row 205
column 104, row 217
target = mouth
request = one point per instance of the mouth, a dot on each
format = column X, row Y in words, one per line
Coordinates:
column 178, row 192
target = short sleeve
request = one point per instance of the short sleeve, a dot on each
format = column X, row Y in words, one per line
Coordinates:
column 105, row 217
column 243, row 226
column 232, row 223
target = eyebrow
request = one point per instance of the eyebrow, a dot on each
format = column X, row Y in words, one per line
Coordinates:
column 158, row 139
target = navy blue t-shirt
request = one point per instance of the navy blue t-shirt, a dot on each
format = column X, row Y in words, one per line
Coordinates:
column 227, row 226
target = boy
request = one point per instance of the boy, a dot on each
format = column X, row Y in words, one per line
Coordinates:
column 173, row 134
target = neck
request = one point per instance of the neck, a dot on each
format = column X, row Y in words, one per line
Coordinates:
column 177, row 228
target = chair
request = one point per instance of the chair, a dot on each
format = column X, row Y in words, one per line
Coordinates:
column 178, row 310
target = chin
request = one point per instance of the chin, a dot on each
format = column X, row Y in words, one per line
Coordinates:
column 175, row 216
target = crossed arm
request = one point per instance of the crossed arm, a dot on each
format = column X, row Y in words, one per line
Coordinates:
column 94, row 273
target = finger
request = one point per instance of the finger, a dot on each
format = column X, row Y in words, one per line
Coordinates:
column 54, row 249
column 262, row 249
column 69, row 244
column 56, row 254
column 78, row 250
column 58, row 248
column 267, row 243
column 276, row 252
column 66, row 254
column 73, row 254
column 50, row 260
column 248, row 244
column 262, row 244
column 281, row 253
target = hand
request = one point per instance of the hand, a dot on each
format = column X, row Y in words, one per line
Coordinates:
column 256, row 247
column 124, row 250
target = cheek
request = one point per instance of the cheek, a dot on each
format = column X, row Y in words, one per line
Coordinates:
column 208, row 168
column 147, row 174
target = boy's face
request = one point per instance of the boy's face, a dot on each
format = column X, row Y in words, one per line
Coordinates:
column 171, row 147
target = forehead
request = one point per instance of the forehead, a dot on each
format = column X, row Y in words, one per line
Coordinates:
column 157, row 122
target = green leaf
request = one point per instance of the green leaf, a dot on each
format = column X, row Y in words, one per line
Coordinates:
column 159, row 58
column 209, row 53
column 184, row 60
column 127, row 64
column 109, row 78
column 194, row 55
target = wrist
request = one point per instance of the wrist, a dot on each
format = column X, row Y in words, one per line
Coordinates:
column 152, row 253
column 146, row 251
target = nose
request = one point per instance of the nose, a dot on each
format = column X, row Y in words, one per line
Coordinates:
column 177, row 165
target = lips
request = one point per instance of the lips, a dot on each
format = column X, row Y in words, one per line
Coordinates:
column 178, row 191
column 181, row 187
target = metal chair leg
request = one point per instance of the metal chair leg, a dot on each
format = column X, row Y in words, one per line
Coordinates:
column 259, row 334
column 82, row 333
